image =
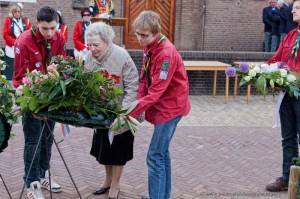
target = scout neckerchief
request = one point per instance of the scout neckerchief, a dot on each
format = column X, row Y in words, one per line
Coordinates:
column 295, row 48
column 162, row 38
column 46, row 44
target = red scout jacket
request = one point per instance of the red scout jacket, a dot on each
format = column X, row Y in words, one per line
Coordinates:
column 284, row 51
column 7, row 30
column 78, row 37
column 167, row 96
column 30, row 53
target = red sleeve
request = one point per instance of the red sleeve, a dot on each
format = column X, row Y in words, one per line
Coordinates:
column 277, row 56
column 158, row 86
column 7, row 34
column 21, row 63
column 62, row 47
column 77, row 36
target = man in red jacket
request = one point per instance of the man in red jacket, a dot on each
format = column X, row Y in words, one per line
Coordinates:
column 163, row 94
column 290, row 106
column 33, row 50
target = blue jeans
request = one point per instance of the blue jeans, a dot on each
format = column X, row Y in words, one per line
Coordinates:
column 290, row 127
column 32, row 129
column 158, row 160
column 275, row 43
column 267, row 41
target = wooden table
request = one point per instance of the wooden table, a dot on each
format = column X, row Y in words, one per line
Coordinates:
column 237, row 63
column 209, row 66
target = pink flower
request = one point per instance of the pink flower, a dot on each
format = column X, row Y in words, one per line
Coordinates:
column 65, row 76
column 34, row 71
column 38, row 80
column 51, row 67
column 26, row 81
column 103, row 90
column 45, row 76
column 19, row 90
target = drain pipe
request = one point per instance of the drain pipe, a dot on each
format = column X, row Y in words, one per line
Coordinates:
column 203, row 25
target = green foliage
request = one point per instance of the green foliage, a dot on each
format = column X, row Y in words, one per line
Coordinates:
column 68, row 85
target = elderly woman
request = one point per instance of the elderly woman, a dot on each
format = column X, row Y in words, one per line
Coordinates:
column 115, row 60
column 13, row 26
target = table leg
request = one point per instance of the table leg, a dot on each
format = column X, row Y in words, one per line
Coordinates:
column 226, row 88
column 235, row 86
column 215, row 83
column 248, row 93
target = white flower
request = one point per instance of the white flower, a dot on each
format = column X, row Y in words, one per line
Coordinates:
column 283, row 72
column 3, row 76
column 256, row 69
column 291, row 78
column 270, row 68
column 264, row 65
column 247, row 78
column 252, row 73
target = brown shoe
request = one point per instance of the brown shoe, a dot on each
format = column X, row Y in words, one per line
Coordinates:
column 279, row 185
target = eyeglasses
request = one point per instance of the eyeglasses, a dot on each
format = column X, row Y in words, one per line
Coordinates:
column 86, row 15
column 144, row 36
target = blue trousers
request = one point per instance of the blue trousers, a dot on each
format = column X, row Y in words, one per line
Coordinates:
column 158, row 160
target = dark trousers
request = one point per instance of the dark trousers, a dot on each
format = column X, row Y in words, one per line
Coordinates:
column 290, row 126
column 32, row 129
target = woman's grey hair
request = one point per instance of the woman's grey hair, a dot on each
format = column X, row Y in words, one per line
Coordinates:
column 106, row 33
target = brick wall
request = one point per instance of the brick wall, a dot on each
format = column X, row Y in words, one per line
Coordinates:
column 201, row 81
column 229, row 25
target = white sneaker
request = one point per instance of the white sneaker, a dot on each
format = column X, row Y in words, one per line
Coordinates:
column 45, row 183
column 34, row 191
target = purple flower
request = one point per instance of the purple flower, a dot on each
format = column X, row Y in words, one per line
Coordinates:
column 283, row 65
column 244, row 67
column 230, row 71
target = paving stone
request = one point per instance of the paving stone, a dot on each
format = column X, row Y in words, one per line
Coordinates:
column 218, row 151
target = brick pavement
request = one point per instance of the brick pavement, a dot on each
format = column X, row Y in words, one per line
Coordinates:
column 218, row 151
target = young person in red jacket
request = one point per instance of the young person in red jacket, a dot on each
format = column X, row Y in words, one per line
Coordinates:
column 81, row 48
column 163, row 95
column 12, row 28
column 33, row 51
column 62, row 27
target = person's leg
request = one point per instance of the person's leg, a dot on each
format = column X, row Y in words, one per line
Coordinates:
column 32, row 131
column 274, row 43
column 158, row 160
column 267, row 42
column 115, row 183
column 108, row 176
column 46, row 149
column 282, row 35
column 288, row 133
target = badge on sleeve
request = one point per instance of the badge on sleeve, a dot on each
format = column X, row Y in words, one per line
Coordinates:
column 164, row 70
column 38, row 64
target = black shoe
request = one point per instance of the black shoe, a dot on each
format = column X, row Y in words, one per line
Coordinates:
column 101, row 191
column 145, row 197
column 108, row 197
